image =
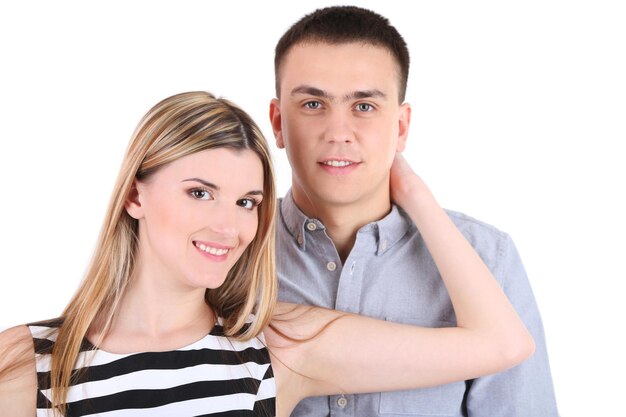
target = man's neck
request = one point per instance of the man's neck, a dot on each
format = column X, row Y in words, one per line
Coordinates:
column 343, row 221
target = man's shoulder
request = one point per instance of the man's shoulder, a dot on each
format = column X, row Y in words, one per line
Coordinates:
column 471, row 225
column 489, row 241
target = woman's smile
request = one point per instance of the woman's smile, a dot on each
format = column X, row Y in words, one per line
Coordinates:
column 212, row 250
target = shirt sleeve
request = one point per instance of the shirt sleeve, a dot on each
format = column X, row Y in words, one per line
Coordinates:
column 525, row 390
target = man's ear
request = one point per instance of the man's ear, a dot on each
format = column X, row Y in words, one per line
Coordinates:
column 403, row 126
column 133, row 202
column 276, row 121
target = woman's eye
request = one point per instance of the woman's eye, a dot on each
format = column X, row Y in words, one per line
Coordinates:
column 364, row 107
column 200, row 194
column 247, row 203
column 313, row 105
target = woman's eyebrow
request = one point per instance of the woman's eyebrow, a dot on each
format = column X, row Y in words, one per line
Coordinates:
column 203, row 182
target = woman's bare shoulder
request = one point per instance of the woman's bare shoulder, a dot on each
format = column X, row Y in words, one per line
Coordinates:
column 15, row 343
column 18, row 375
column 14, row 332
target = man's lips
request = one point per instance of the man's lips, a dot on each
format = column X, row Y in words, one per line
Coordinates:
column 338, row 162
column 338, row 166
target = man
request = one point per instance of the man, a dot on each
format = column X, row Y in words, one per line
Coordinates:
column 341, row 75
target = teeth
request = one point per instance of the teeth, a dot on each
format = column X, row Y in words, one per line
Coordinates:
column 337, row 163
column 212, row 251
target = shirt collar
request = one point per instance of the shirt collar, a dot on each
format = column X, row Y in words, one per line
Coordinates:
column 293, row 219
column 390, row 229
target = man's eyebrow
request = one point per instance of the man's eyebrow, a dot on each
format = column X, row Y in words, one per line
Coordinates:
column 203, row 182
column 354, row 95
column 313, row 91
column 365, row 94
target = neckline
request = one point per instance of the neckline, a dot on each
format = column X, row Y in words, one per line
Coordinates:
column 216, row 331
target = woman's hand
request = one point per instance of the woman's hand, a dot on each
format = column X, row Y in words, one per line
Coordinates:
column 406, row 187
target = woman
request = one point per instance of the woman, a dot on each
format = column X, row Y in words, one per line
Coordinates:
column 176, row 310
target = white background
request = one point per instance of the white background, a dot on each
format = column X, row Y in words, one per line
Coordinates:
column 518, row 119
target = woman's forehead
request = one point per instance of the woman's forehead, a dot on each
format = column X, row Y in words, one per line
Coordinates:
column 230, row 167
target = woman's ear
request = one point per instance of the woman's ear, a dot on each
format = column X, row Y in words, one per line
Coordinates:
column 133, row 202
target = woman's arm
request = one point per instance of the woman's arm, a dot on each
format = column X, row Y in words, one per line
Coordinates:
column 345, row 353
column 18, row 377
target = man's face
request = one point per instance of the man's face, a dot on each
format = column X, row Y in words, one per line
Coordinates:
column 339, row 119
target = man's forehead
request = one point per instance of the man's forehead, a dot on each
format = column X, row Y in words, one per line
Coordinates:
column 339, row 69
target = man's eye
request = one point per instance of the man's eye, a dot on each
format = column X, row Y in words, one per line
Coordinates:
column 313, row 105
column 364, row 107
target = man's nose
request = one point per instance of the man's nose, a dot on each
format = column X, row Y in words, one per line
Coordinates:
column 339, row 127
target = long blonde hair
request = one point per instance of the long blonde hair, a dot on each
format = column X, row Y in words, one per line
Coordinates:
column 177, row 126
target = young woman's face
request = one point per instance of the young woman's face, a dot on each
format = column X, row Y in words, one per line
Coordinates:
column 197, row 215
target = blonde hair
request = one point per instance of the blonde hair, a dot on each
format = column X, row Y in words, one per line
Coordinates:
column 176, row 127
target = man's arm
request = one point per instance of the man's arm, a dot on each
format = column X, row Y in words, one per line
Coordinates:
column 525, row 390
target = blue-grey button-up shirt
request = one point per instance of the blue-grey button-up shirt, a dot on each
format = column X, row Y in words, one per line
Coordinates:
column 389, row 274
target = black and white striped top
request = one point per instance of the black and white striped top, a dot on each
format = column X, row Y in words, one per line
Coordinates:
column 215, row 376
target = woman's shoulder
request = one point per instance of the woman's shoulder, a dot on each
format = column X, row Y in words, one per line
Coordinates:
column 44, row 334
column 19, row 344
column 18, row 377
column 15, row 342
column 16, row 352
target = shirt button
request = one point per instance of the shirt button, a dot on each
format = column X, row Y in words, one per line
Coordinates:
column 384, row 245
column 342, row 402
column 331, row 266
column 311, row 226
column 300, row 240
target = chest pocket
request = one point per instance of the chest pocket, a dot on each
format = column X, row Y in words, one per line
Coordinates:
column 442, row 400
